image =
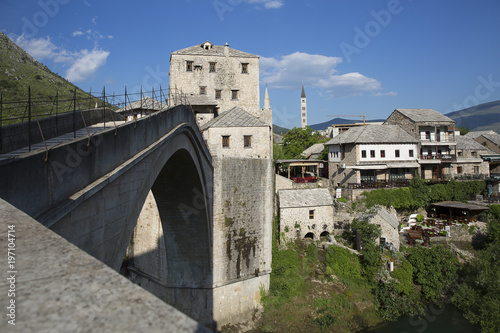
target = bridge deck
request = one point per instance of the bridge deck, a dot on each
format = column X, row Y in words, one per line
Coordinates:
column 84, row 132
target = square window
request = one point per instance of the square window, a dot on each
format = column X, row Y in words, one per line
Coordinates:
column 225, row 141
column 459, row 169
column 189, row 66
column 372, row 153
column 234, row 94
column 203, row 90
column 311, row 214
column 411, row 152
column 363, row 154
column 244, row 68
column 397, row 152
column 473, row 154
column 476, row 169
column 212, row 67
column 382, row 153
column 247, row 141
column 218, row 94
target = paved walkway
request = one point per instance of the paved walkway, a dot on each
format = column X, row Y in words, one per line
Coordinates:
column 50, row 143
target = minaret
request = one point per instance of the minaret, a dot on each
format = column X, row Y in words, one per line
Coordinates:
column 303, row 108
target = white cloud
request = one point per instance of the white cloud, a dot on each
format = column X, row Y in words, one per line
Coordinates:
column 91, row 34
column 86, row 65
column 94, row 20
column 268, row 4
column 82, row 64
column 290, row 71
column 38, row 48
column 390, row 93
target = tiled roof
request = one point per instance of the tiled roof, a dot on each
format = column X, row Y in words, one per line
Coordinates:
column 236, row 117
column 468, row 143
column 373, row 134
column 316, row 148
column 477, row 134
column 495, row 138
column 304, row 198
column 424, row 115
column 215, row 50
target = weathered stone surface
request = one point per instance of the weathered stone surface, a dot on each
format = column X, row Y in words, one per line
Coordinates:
column 60, row 288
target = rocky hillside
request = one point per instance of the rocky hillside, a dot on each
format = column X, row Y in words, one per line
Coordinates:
column 18, row 71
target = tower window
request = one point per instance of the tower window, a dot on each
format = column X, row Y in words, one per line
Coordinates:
column 189, row 66
column 212, row 67
column 303, row 114
column 311, row 214
column 303, row 108
column 218, row 94
column 244, row 68
column 247, row 141
column 234, row 94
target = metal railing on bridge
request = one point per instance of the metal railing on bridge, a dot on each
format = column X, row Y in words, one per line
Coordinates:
column 38, row 118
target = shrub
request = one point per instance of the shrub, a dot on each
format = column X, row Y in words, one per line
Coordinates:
column 343, row 263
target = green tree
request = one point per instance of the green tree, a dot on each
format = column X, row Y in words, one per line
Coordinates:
column 298, row 139
column 434, row 269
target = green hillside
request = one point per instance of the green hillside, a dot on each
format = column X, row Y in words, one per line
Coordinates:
column 18, row 71
column 481, row 117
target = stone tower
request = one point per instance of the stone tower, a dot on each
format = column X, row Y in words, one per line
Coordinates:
column 303, row 108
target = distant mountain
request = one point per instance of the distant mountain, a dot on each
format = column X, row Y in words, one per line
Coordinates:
column 338, row 121
column 279, row 130
column 481, row 117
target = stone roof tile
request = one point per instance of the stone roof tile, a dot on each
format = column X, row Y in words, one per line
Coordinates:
column 373, row 134
column 424, row 115
column 297, row 198
column 236, row 117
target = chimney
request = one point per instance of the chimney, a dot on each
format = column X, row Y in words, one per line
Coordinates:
column 226, row 50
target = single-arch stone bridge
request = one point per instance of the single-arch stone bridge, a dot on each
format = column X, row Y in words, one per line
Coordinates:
column 91, row 191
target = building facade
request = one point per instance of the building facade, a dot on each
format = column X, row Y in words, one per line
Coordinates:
column 436, row 135
column 216, row 78
column 370, row 154
column 305, row 213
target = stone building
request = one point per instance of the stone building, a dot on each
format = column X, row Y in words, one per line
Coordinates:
column 305, row 213
column 436, row 135
column 216, row 78
column 367, row 154
column 491, row 141
column 241, row 149
column 387, row 220
column 469, row 164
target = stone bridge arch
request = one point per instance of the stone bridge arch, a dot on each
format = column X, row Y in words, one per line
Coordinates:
column 95, row 201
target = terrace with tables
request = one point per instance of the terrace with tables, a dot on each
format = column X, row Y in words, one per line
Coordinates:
column 441, row 217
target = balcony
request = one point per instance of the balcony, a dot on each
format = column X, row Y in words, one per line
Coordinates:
column 440, row 157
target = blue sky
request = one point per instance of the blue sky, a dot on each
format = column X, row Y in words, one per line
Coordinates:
column 354, row 57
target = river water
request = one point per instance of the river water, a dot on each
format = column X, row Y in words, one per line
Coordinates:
column 436, row 320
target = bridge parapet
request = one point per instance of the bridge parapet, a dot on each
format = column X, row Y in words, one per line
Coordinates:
column 60, row 288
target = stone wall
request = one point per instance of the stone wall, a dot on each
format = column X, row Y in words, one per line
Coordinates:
column 227, row 76
column 296, row 222
column 242, row 231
